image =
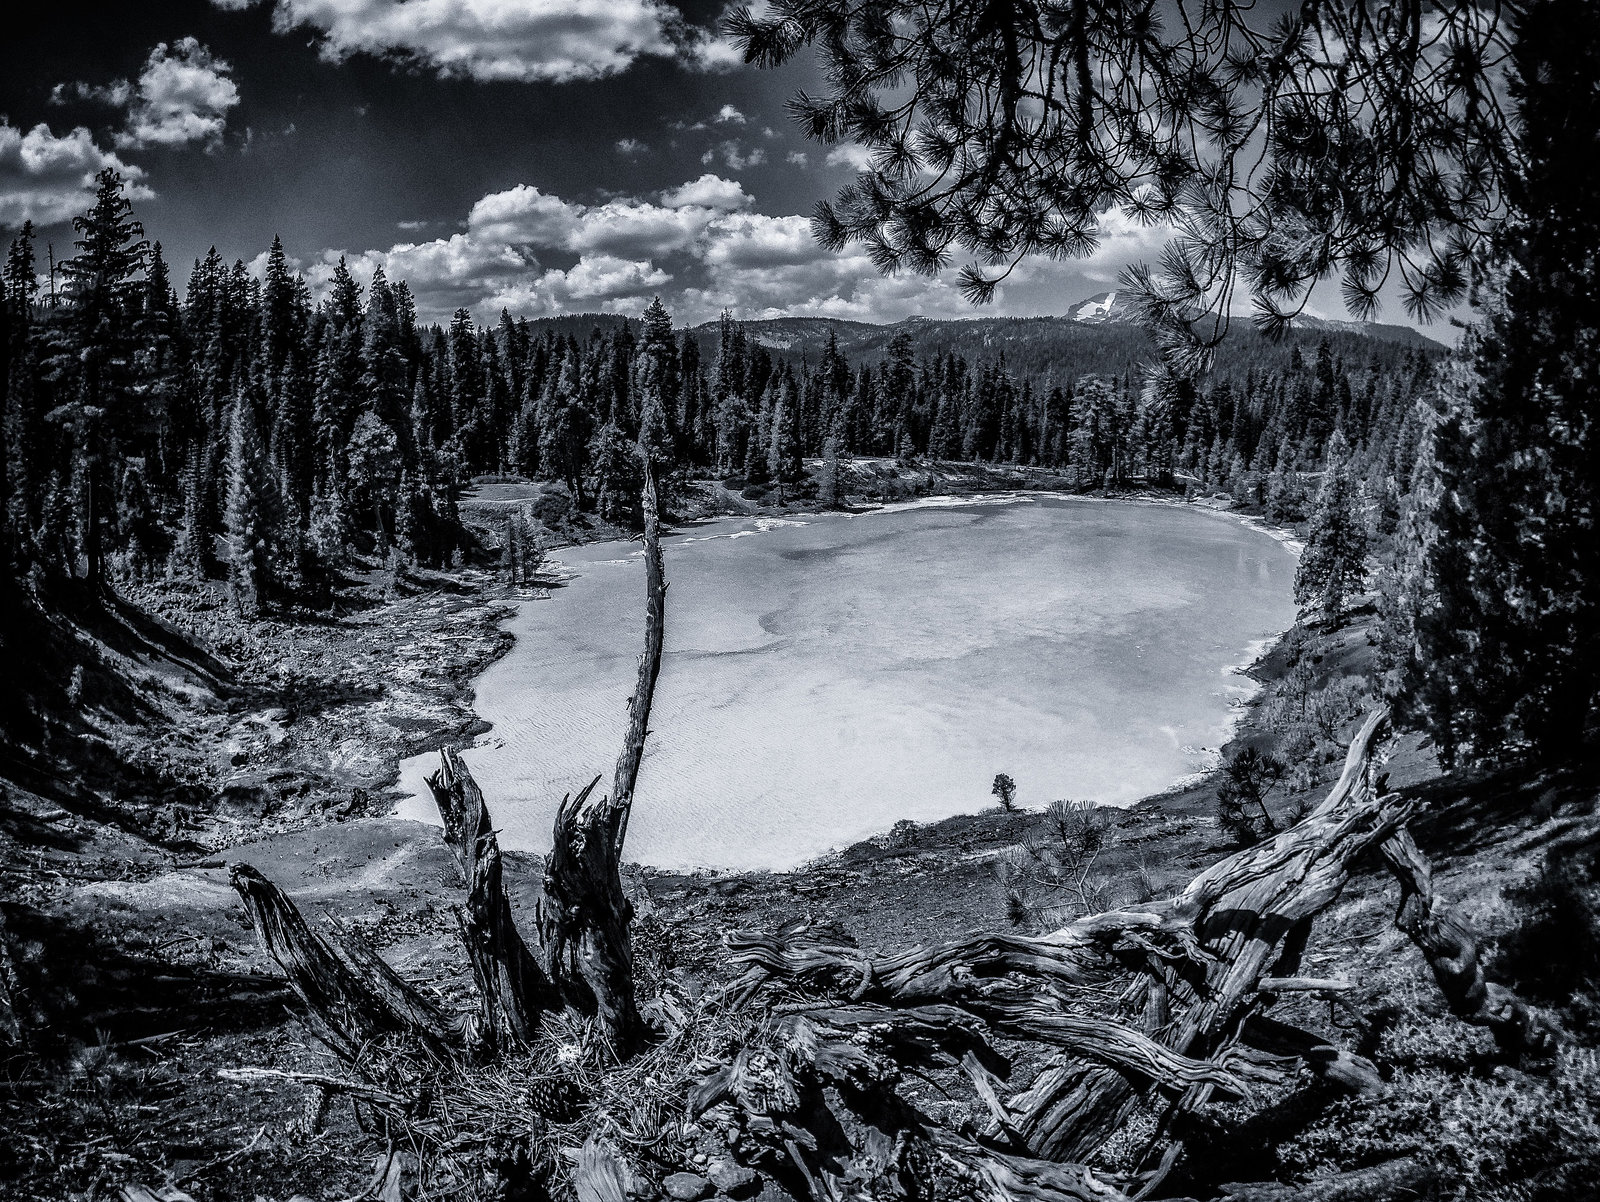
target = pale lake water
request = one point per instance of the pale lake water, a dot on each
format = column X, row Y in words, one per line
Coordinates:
column 827, row 676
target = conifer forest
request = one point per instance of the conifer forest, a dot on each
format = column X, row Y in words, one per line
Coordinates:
column 625, row 601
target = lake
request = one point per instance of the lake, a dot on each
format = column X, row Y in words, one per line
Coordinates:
column 825, row 676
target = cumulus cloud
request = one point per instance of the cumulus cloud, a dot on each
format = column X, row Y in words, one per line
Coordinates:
column 728, row 115
column 499, row 40
column 45, row 178
column 630, row 148
column 857, row 158
column 183, row 95
column 702, row 245
column 708, row 192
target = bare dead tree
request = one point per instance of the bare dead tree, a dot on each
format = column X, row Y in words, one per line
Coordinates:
column 513, row 987
column 584, row 959
column 585, row 916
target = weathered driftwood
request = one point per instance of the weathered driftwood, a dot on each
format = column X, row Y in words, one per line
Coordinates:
column 1196, row 967
column 1197, row 973
column 1202, row 953
column 513, row 988
column 351, row 995
column 1452, row 953
column 585, row 917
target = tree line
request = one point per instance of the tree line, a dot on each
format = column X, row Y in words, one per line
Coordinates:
column 247, row 431
column 251, row 433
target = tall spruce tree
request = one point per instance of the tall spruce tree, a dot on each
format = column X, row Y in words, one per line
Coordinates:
column 1507, row 623
column 1333, row 565
column 92, row 358
column 243, row 517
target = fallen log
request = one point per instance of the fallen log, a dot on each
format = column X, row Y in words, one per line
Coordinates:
column 1452, row 953
column 1203, row 955
column 352, row 997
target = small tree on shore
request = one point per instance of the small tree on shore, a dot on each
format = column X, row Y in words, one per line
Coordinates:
column 1242, row 811
column 1006, row 790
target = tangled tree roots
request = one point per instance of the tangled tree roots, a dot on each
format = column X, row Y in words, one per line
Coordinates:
column 1158, row 1007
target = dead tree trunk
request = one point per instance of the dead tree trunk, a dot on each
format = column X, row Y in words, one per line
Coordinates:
column 351, row 994
column 585, row 917
column 513, row 988
column 1452, row 953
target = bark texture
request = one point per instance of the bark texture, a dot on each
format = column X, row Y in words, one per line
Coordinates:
column 584, row 921
column 513, row 988
column 351, row 994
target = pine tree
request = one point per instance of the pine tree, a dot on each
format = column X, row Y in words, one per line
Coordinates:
column 783, row 444
column 618, row 476
column 242, row 518
column 92, row 356
column 829, row 483
column 1507, row 620
column 1333, row 564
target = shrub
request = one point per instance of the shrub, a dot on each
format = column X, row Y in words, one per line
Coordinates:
column 553, row 507
column 1553, row 952
column 1247, row 777
column 1053, row 872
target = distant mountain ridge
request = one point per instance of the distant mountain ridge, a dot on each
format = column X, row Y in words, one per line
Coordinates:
column 1096, row 335
column 1106, row 308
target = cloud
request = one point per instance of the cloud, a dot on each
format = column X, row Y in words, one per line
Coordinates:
column 117, row 93
column 849, row 155
column 630, row 148
column 797, row 157
column 525, row 41
column 734, row 156
column 46, row 179
column 708, row 192
column 183, row 95
column 704, row 248
column 728, row 115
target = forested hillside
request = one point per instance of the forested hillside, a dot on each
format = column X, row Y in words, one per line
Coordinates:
column 248, row 431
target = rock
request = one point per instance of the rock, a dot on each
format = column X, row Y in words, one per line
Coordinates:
column 686, row 1187
column 734, row 1179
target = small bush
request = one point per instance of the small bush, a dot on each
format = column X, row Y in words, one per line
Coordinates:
column 1247, row 777
column 1053, row 873
column 1553, row 953
column 553, row 507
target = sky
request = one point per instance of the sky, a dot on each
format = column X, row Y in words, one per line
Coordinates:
column 532, row 156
